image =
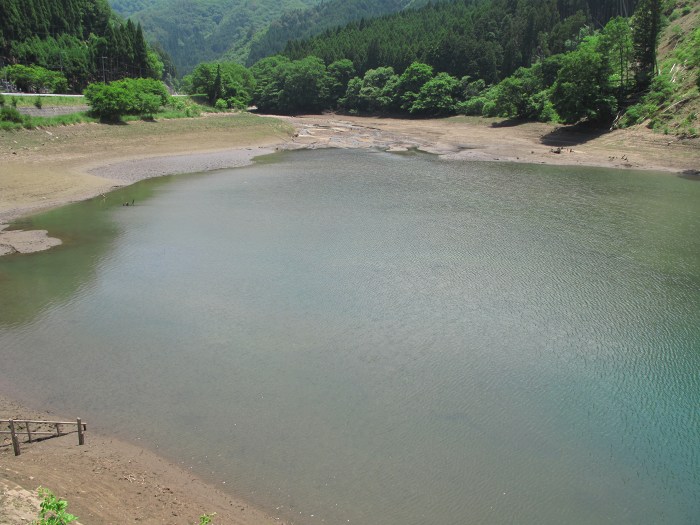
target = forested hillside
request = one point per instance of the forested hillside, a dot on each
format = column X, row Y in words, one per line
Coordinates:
column 299, row 24
column 483, row 39
column 76, row 39
column 193, row 31
column 126, row 8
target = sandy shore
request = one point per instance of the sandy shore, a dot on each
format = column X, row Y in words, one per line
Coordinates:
column 108, row 481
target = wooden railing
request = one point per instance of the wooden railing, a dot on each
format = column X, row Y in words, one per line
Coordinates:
column 24, row 426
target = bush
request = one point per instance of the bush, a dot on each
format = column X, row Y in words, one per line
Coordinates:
column 221, row 105
column 36, row 78
column 10, row 115
column 53, row 510
column 2, row 100
column 237, row 103
column 473, row 106
column 634, row 115
column 660, row 92
column 130, row 96
column 37, row 103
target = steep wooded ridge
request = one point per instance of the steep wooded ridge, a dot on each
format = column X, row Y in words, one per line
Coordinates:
column 80, row 39
column 126, row 8
column 483, row 39
column 194, row 31
column 306, row 23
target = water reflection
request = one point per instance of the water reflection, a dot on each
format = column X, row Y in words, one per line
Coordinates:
column 30, row 284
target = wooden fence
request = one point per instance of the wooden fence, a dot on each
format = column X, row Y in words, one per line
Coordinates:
column 19, row 427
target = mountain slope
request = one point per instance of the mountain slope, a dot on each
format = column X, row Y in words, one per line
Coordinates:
column 80, row 38
column 300, row 24
column 672, row 104
column 194, row 31
column 126, row 8
column 483, row 39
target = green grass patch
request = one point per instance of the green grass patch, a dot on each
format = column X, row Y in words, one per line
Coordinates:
column 28, row 122
column 27, row 101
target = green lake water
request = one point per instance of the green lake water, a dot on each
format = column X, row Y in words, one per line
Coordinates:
column 353, row 337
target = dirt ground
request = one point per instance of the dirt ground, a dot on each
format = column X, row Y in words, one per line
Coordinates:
column 108, row 481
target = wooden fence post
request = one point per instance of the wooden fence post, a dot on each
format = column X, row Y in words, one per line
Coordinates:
column 15, row 441
column 81, row 436
column 29, row 432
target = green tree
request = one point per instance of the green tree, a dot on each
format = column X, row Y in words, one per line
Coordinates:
column 228, row 81
column 617, row 36
column 339, row 74
column 305, row 86
column 351, row 100
column 269, row 74
column 646, row 28
column 378, row 90
column 35, row 78
column 216, row 88
column 437, row 96
column 411, row 81
column 582, row 89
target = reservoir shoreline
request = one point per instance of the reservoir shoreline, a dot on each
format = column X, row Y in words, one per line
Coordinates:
column 46, row 168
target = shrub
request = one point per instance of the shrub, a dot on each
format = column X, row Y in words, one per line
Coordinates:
column 542, row 108
column 473, row 106
column 53, row 510
column 37, row 103
column 2, row 100
column 35, row 78
column 221, row 105
column 634, row 115
column 237, row 103
column 139, row 96
column 9, row 114
column 490, row 108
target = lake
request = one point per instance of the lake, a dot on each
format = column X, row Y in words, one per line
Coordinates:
column 374, row 338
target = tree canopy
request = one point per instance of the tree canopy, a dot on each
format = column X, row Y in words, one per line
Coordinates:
column 79, row 38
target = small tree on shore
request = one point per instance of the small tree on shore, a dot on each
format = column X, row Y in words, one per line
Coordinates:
column 130, row 96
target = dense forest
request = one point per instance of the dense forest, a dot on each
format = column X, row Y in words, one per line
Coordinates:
column 193, row 31
column 80, row 40
column 555, row 61
column 126, row 8
column 488, row 40
column 305, row 23
column 549, row 60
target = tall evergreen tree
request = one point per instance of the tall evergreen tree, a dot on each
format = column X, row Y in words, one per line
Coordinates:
column 75, row 37
column 645, row 35
column 215, row 93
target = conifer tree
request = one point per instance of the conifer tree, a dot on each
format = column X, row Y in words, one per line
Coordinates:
column 645, row 35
